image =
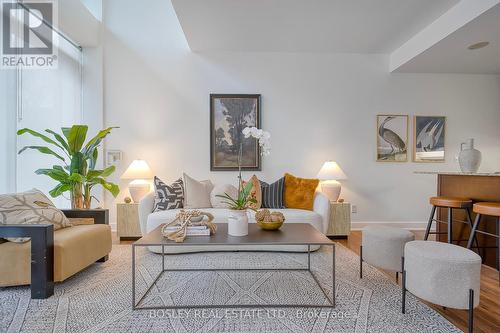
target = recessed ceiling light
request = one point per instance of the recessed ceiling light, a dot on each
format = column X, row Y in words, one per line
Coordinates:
column 479, row 45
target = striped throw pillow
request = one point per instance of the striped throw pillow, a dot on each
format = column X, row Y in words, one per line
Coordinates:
column 272, row 194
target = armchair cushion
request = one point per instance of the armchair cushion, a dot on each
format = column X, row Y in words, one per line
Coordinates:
column 30, row 207
column 74, row 249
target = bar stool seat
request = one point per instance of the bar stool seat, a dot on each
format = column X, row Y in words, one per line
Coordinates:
column 487, row 208
column 452, row 202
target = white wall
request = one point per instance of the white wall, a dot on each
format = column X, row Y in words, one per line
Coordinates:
column 316, row 106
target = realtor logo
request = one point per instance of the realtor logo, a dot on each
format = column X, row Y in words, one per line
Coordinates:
column 28, row 37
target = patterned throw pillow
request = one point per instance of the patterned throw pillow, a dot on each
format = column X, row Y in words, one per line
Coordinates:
column 272, row 194
column 255, row 192
column 168, row 196
column 30, row 207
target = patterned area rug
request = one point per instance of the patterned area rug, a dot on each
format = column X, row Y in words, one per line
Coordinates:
column 99, row 298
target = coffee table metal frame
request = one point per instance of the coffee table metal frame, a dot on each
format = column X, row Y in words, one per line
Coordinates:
column 330, row 302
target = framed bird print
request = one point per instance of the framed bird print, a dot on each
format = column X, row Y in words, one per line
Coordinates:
column 429, row 134
column 392, row 138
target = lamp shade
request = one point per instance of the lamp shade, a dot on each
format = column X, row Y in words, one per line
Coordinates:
column 138, row 169
column 331, row 171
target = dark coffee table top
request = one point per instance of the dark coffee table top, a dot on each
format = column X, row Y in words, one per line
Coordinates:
column 288, row 234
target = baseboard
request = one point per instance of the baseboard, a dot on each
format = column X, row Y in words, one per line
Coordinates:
column 412, row 225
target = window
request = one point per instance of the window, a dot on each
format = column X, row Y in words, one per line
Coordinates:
column 38, row 99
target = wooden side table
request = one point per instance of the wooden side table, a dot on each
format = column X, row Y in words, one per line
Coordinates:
column 127, row 218
column 340, row 220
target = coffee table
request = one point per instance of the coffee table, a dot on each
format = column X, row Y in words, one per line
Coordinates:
column 289, row 234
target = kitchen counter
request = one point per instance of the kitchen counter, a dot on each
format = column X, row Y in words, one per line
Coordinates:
column 458, row 173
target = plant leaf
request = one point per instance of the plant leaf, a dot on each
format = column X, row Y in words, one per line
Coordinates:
column 60, row 139
column 56, row 174
column 111, row 187
column 76, row 137
column 93, row 158
column 39, row 135
column 76, row 178
column 78, row 164
column 101, row 135
column 59, row 189
column 90, row 147
column 100, row 173
column 228, row 197
column 43, row 150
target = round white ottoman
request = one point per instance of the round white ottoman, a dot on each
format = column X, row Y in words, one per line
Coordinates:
column 383, row 247
column 443, row 274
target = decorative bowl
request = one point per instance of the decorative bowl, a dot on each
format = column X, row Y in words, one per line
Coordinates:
column 197, row 218
column 270, row 225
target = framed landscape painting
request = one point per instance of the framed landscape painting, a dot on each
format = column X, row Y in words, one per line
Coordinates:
column 229, row 115
column 392, row 138
column 429, row 135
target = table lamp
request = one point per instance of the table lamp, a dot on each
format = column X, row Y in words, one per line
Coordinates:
column 329, row 174
column 140, row 173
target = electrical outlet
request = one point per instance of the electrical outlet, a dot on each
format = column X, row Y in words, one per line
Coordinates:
column 354, row 209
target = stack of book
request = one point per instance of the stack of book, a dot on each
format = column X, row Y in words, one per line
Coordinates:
column 199, row 230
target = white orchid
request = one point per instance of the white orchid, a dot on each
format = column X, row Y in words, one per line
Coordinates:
column 261, row 136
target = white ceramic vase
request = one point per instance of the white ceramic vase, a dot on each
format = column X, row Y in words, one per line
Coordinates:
column 469, row 158
column 237, row 223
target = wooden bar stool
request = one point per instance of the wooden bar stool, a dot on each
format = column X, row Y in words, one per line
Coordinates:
column 490, row 209
column 450, row 203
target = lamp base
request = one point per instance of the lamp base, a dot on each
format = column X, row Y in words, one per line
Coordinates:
column 138, row 190
column 331, row 188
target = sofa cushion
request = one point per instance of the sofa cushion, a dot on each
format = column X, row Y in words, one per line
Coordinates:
column 221, row 215
column 168, row 196
column 218, row 202
column 197, row 193
column 30, row 207
column 74, row 249
column 272, row 194
column 299, row 192
column 255, row 193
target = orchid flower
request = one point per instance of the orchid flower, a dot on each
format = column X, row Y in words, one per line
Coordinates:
column 261, row 136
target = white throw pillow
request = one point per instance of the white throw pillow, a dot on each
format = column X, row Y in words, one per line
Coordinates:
column 218, row 202
column 196, row 193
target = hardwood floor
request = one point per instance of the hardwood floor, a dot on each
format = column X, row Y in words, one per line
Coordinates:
column 486, row 315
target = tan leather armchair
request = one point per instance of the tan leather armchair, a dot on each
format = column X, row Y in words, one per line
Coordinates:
column 53, row 256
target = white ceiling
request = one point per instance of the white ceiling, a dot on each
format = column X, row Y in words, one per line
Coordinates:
column 450, row 55
column 342, row 26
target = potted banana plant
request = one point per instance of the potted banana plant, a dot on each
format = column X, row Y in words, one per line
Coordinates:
column 78, row 175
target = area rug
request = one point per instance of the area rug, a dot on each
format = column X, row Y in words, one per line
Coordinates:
column 99, row 298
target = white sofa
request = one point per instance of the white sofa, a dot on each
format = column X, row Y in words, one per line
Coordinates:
column 318, row 218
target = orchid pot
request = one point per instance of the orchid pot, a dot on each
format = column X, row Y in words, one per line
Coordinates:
column 238, row 218
column 237, row 223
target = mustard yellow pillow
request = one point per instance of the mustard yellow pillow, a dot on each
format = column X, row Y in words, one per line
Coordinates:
column 299, row 192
